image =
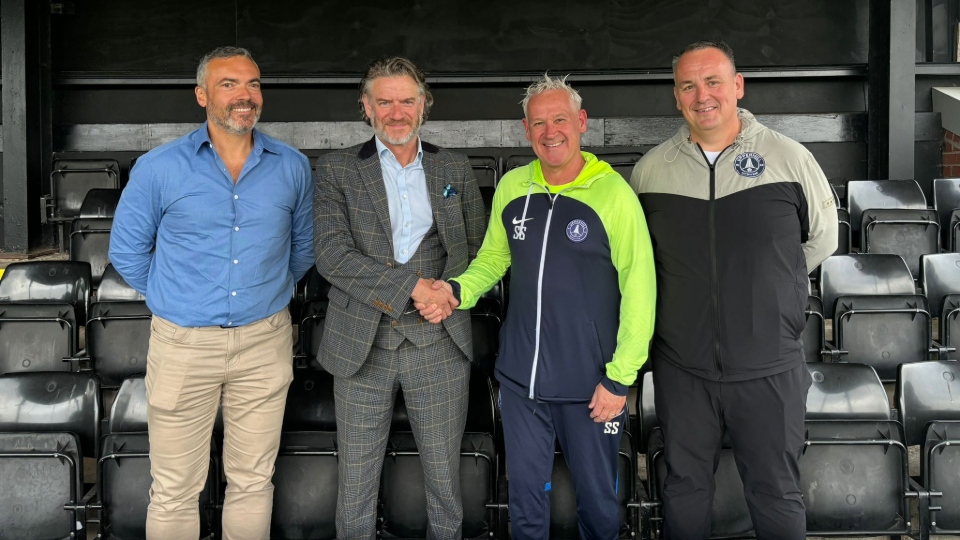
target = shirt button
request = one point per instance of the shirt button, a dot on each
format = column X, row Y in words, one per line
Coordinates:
column 236, row 196
column 234, row 293
column 236, row 228
column 404, row 252
column 229, row 323
column 404, row 197
column 235, row 261
column 407, row 224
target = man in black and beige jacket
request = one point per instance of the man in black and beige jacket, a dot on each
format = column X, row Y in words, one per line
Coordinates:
column 738, row 215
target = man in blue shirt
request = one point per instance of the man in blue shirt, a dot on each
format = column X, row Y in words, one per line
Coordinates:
column 215, row 228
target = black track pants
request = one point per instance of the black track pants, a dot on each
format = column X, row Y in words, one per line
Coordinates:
column 764, row 421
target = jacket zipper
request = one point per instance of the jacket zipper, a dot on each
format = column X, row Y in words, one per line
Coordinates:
column 543, row 257
column 714, row 271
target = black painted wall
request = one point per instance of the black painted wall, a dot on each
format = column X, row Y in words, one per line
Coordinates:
column 165, row 38
column 444, row 36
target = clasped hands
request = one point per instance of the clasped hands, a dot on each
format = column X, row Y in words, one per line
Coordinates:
column 434, row 299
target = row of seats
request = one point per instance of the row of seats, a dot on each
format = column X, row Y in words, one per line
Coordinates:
column 854, row 472
column 117, row 334
column 891, row 216
column 50, row 422
column 878, row 316
column 43, row 305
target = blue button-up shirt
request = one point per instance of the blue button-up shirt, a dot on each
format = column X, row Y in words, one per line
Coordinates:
column 410, row 213
column 207, row 251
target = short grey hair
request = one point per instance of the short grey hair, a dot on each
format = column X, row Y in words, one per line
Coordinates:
column 548, row 83
column 220, row 52
column 394, row 66
column 705, row 44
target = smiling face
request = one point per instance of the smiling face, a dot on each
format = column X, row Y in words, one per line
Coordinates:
column 553, row 126
column 395, row 108
column 707, row 89
column 231, row 94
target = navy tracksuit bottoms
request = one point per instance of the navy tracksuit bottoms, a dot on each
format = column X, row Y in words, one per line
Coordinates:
column 763, row 419
column 530, row 431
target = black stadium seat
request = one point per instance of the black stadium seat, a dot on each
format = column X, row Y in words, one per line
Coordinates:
column 883, row 331
column 813, row 330
column 305, row 480
column 486, row 170
column 48, row 281
column 42, row 306
column 846, row 392
column 123, row 479
column 946, row 199
column 402, row 485
column 939, row 466
column 940, row 276
column 48, row 423
column 863, row 274
column 904, row 232
column 90, row 243
column 113, row 288
column 844, row 232
column 37, row 337
column 853, row 476
column 926, row 397
column 70, row 181
column 841, row 395
column 117, row 332
column 878, row 318
column 954, row 231
column 312, row 315
column 646, row 413
column 864, row 195
column 622, row 162
column 926, row 392
column 100, row 203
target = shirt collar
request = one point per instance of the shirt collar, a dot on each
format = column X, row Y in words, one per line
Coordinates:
column 260, row 142
column 383, row 151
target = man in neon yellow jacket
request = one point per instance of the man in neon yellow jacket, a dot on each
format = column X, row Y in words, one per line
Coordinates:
column 580, row 316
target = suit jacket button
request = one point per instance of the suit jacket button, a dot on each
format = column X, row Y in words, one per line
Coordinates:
column 419, row 274
column 393, row 323
column 390, row 265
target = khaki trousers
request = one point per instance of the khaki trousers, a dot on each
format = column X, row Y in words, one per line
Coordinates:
column 191, row 372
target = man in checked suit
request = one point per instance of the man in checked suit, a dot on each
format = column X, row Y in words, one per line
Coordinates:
column 390, row 216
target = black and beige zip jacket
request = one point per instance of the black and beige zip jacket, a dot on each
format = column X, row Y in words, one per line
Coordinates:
column 733, row 244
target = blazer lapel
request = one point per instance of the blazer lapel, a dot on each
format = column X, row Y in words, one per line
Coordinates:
column 372, row 177
column 435, row 185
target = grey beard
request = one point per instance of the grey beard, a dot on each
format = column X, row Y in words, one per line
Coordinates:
column 382, row 134
column 231, row 127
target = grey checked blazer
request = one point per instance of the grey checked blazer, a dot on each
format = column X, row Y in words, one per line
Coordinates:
column 353, row 243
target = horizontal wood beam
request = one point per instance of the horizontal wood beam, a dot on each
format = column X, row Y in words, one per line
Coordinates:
column 601, row 132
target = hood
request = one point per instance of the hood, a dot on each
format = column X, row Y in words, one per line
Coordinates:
column 749, row 128
column 593, row 170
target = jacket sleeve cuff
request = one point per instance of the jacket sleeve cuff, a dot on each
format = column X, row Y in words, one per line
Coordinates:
column 614, row 387
column 456, row 290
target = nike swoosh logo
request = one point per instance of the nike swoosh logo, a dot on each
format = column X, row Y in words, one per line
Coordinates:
column 520, row 221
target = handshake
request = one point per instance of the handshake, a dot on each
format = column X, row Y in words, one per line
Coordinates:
column 434, row 299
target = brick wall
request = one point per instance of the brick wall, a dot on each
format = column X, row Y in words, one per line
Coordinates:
column 950, row 167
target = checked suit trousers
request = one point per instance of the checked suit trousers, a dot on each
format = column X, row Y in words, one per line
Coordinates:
column 434, row 379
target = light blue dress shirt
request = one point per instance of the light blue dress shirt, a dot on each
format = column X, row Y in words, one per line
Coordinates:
column 410, row 213
column 206, row 251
